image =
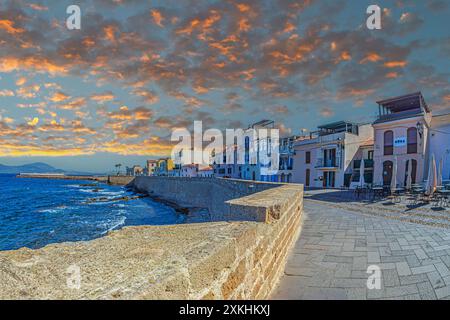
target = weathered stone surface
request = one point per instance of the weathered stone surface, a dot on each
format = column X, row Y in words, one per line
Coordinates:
column 213, row 260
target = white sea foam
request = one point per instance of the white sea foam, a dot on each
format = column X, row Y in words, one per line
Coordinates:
column 115, row 224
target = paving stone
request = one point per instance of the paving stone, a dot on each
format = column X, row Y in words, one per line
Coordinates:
column 426, row 291
column 417, row 278
column 442, row 269
column 436, row 280
column 336, row 246
column 443, row 292
column 401, row 290
column 373, row 257
column 390, row 278
column 423, row 269
column 403, row 269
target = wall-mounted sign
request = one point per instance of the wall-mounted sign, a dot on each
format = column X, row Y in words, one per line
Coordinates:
column 400, row 142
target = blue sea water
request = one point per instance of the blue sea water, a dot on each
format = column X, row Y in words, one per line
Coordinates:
column 36, row 212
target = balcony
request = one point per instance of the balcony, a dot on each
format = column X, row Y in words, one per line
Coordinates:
column 285, row 167
column 327, row 164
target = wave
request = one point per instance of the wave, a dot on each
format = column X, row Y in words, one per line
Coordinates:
column 115, row 224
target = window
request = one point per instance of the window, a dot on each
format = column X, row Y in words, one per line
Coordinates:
column 388, row 143
column 370, row 155
column 229, row 170
column 308, row 157
column 308, row 173
column 412, row 140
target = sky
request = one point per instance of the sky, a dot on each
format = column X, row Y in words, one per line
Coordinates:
column 113, row 91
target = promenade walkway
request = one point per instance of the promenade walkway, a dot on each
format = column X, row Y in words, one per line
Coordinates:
column 336, row 245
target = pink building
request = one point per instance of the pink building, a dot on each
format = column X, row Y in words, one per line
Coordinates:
column 401, row 135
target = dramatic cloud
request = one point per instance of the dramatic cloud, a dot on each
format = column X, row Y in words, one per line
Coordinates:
column 228, row 63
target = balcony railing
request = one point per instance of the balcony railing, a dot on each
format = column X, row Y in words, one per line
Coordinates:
column 328, row 163
column 284, row 167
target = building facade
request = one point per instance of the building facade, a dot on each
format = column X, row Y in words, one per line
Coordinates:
column 402, row 137
column 189, row 170
column 164, row 165
column 206, row 172
column 325, row 159
column 439, row 139
column 151, row 167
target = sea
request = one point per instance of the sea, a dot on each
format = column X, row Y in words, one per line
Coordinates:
column 35, row 212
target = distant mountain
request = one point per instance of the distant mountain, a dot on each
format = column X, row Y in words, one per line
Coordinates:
column 36, row 167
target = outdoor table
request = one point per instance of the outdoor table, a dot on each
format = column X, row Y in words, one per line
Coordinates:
column 396, row 193
column 377, row 192
column 444, row 196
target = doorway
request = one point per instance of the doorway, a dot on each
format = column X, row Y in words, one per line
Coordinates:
column 329, row 178
column 387, row 172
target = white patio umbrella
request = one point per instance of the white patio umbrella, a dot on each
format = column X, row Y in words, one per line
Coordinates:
column 394, row 175
column 439, row 173
column 432, row 177
column 361, row 173
column 409, row 175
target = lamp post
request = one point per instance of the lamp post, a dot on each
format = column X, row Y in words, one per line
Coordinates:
column 419, row 129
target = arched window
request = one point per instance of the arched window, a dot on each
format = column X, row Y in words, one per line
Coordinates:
column 412, row 140
column 388, row 143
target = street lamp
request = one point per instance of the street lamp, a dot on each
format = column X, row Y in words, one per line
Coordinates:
column 419, row 129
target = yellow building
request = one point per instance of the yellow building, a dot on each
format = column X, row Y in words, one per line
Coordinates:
column 164, row 165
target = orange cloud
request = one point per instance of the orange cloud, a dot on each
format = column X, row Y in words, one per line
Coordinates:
column 242, row 7
column 103, row 97
column 21, row 81
column 110, row 33
column 395, row 64
column 371, row 57
column 6, row 93
column 38, row 7
column 41, row 64
column 345, row 56
column 157, row 17
column 391, row 75
column 8, row 26
column 59, row 96
column 28, row 91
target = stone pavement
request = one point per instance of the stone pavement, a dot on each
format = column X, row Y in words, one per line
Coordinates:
column 335, row 247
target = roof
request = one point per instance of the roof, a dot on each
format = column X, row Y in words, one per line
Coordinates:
column 192, row 165
column 336, row 125
column 262, row 123
column 406, row 102
column 399, row 115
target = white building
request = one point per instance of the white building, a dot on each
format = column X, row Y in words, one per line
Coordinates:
column 189, row 170
column 325, row 160
column 440, row 142
column 206, row 172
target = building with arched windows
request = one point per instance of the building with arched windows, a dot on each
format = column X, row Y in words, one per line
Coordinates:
column 402, row 132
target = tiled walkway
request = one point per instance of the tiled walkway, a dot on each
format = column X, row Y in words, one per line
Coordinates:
column 335, row 247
